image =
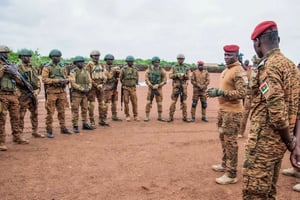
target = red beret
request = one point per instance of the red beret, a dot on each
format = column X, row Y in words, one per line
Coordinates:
column 231, row 48
column 200, row 62
column 262, row 27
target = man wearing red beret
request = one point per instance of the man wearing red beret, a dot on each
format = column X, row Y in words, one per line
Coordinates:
column 232, row 90
column 275, row 91
column 200, row 81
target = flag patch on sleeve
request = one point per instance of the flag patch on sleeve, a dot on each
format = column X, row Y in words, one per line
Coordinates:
column 264, row 88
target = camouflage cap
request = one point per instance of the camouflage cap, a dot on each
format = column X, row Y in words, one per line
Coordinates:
column 4, row 49
column 55, row 52
column 109, row 57
column 78, row 59
column 25, row 52
column 129, row 59
column 155, row 59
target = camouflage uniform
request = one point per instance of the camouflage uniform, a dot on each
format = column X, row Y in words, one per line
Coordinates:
column 81, row 82
column 31, row 75
column 154, row 77
column 180, row 76
column 200, row 81
column 9, row 102
column 129, row 78
column 97, row 73
column 234, row 83
column 275, row 99
column 111, row 93
column 56, row 94
column 246, row 107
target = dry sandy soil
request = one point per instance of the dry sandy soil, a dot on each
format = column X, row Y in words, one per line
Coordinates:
column 128, row 160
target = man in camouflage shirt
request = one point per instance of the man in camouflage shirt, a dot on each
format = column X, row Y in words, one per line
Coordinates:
column 31, row 75
column 275, row 104
column 200, row 81
column 230, row 93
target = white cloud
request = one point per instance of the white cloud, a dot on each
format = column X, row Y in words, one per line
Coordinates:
column 145, row 28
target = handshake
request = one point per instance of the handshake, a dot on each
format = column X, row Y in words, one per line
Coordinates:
column 214, row 92
column 63, row 81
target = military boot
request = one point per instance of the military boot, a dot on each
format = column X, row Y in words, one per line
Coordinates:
column 225, row 180
column 128, row 118
column 86, row 127
column 50, row 134
column 185, row 119
column 20, row 140
column 92, row 124
column 297, row 187
column 136, row 118
column 37, row 135
column 65, row 131
column 103, row 123
column 204, row 119
column 160, row 118
column 193, row 119
column 2, row 147
column 115, row 117
column 147, row 117
column 171, row 119
column 75, row 129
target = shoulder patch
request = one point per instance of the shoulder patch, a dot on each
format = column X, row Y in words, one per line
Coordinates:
column 264, row 88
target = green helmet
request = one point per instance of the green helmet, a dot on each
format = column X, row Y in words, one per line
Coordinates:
column 4, row 49
column 54, row 52
column 78, row 59
column 129, row 59
column 25, row 52
column 109, row 57
column 155, row 59
column 95, row 53
column 180, row 56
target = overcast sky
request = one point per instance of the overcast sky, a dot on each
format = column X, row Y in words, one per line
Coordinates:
column 145, row 28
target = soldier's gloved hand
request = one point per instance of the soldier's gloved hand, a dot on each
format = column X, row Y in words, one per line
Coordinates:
column 214, row 92
column 155, row 87
column 100, row 86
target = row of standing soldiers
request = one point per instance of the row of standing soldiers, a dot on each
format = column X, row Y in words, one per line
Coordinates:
column 88, row 83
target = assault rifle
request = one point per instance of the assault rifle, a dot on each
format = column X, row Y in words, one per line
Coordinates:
column 14, row 71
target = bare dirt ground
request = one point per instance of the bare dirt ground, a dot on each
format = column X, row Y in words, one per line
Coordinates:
column 126, row 161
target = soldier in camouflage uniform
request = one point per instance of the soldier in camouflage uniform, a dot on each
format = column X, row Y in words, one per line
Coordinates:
column 81, row 83
column 246, row 102
column 155, row 78
column 180, row 76
column 9, row 101
column 232, row 90
column 275, row 99
column 97, row 73
column 111, row 86
column 54, row 77
column 129, row 78
column 200, row 81
column 30, row 73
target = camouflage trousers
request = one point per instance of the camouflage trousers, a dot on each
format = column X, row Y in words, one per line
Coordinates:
column 174, row 97
column 130, row 94
column 158, row 100
column 197, row 94
column 229, row 125
column 100, row 96
column 263, row 156
column 56, row 101
column 246, row 112
column 9, row 103
column 111, row 97
column 79, row 100
column 27, row 104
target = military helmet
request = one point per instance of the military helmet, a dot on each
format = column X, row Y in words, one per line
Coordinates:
column 155, row 59
column 129, row 59
column 4, row 49
column 55, row 52
column 78, row 59
column 95, row 53
column 180, row 56
column 109, row 57
column 25, row 52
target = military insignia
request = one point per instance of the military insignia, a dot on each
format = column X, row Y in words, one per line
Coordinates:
column 264, row 88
